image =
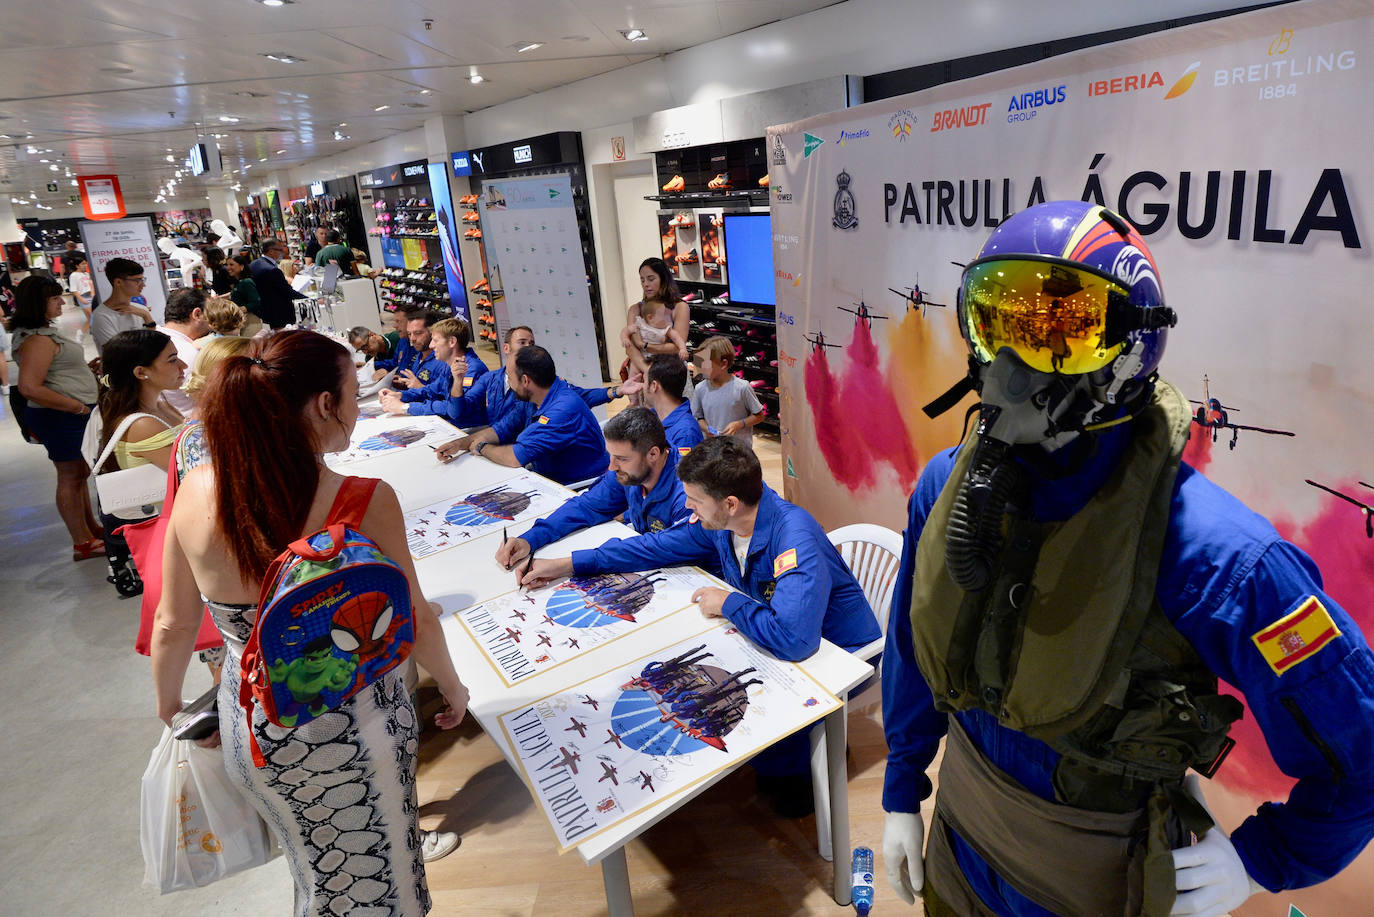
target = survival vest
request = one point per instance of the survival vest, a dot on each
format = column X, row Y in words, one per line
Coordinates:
column 334, row 616
column 1084, row 659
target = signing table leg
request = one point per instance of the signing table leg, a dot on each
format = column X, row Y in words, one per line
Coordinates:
column 615, row 875
column 835, row 743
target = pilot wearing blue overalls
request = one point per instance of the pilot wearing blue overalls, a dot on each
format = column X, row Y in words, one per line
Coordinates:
column 1069, row 593
column 663, row 386
column 642, row 484
column 403, row 357
column 562, row 442
column 448, row 337
column 789, row 586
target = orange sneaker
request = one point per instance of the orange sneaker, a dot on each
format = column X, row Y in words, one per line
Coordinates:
column 682, row 221
column 763, row 182
column 675, row 184
column 481, row 285
column 471, row 217
column 484, row 302
column 477, row 233
column 720, row 183
column 689, row 258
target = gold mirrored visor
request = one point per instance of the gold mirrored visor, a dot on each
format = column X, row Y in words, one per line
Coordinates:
column 1052, row 314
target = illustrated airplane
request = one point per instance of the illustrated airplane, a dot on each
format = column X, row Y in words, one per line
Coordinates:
column 569, row 759
column 613, row 738
column 518, row 614
column 580, row 728
column 861, row 313
column 548, row 620
column 530, row 599
column 419, row 532
column 608, row 773
column 818, row 342
column 646, row 782
column 916, row 297
column 1365, row 508
column 513, row 634
column 544, row 640
column 591, row 701
column 1212, row 414
column 573, row 643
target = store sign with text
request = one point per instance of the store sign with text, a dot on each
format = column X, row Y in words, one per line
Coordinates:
column 461, row 164
column 106, row 240
column 405, row 173
column 101, row 196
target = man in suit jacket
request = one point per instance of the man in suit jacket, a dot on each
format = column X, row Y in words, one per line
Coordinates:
column 276, row 293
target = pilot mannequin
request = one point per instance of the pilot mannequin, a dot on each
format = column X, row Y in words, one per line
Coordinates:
column 1069, row 593
column 228, row 241
column 186, row 259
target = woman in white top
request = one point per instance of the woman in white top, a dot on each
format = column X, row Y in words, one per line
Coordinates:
column 659, row 322
column 80, row 283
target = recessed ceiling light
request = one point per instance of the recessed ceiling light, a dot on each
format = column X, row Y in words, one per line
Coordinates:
column 170, row 158
column 44, row 161
column 343, row 124
column 381, row 108
column 476, row 78
column 279, row 152
column 228, row 119
column 283, row 57
column 73, row 183
column 424, row 92
column 275, row 3
column 522, row 46
column 262, row 159
column 247, row 167
column 634, row 34
column 576, row 38
column 54, row 168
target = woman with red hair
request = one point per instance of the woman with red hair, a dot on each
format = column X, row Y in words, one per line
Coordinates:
column 343, row 783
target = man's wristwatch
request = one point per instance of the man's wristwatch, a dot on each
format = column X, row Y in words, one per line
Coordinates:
column 481, row 444
column 614, row 392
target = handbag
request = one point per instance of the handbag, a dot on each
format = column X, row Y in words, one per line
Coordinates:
column 129, row 493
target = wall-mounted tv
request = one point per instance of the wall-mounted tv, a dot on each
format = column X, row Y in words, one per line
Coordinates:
column 748, row 247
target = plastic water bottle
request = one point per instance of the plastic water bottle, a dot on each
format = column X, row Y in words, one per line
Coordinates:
column 862, row 883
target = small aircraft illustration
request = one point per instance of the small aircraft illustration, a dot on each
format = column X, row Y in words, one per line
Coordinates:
column 916, row 298
column 1365, row 508
column 518, row 614
column 544, row 640
column 591, row 701
column 608, row 773
column 569, row 759
column 818, row 342
column 573, row 643
column 579, row 728
column 646, row 782
column 548, row 620
column 1213, row 415
column 613, row 739
column 861, row 313
column 420, row 532
column 513, row 634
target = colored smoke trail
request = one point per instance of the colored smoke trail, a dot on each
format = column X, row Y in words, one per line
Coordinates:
column 873, row 411
column 925, row 359
column 834, row 434
column 1198, row 450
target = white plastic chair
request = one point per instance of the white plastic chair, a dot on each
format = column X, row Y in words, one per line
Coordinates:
column 873, row 554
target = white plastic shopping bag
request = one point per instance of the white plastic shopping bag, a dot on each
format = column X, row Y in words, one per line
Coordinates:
column 196, row 826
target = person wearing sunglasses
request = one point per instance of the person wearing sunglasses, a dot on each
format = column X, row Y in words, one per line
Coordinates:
column 118, row 312
column 1069, row 593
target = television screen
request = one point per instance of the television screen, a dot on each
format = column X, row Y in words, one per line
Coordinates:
column 749, row 258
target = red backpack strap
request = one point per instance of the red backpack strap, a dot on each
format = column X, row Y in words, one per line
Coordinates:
column 350, row 505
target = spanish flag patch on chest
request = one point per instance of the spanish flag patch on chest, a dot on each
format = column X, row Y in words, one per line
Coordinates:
column 543, row 419
column 467, row 381
column 1296, row 636
column 785, row 561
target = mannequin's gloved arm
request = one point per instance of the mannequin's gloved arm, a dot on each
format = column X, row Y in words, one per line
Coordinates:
column 903, row 837
column 1211, row 879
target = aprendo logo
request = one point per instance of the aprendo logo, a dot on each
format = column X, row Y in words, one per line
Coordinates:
column 1185, row 82
column 861, row 134
column 901, row 125
column 954, row 118
column 1281, row 44
column 1024, row 106
column 810, row 143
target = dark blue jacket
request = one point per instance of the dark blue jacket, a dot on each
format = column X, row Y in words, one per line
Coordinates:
column 1225, row 575
column 438, row 399
column 682, row 427
column 659, row 509
column 276, row 296
column 402, row 359
column 795, row 588
column 435, row 375
column 563, row 441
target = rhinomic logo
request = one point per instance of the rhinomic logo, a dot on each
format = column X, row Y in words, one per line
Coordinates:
column 779, row 151
column 860, row 134
column 1026, row 105
column 810, row 143
column 901, row 124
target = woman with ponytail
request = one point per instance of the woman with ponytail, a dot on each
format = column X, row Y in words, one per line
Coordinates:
column 270, row 416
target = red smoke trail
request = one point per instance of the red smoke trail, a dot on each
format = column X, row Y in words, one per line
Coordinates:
column 842, row 449
column 873, row 411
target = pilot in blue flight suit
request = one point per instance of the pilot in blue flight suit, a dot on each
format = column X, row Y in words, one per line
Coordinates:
column 663, row 387
column 642, row 485
column 1069, row 592
column 562, row 442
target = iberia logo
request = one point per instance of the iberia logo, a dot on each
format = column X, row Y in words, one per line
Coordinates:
column 810, row 143
column 1185, row 82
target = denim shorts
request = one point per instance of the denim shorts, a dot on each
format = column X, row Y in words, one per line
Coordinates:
column 60, row 432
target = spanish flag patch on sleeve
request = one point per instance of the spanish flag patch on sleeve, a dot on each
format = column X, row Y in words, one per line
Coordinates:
column 785, row 561
column 683, row 450
column 467, row 381
column 1296, row 636
column 543, row 418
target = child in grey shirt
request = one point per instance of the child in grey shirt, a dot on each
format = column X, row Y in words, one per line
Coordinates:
column 726, row 402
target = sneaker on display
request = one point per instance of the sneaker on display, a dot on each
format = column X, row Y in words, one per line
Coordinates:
column 674, row 184
column 763, row 182
column 689, row 258
column 720, row 183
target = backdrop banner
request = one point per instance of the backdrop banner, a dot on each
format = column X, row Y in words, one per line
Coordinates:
column 1240, row 150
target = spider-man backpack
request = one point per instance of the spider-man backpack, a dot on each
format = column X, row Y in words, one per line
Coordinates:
column 333, row 617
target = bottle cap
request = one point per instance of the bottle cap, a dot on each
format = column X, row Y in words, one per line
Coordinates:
column 862, row 908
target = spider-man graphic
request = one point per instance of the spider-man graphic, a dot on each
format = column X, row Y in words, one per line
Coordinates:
column 368, row 625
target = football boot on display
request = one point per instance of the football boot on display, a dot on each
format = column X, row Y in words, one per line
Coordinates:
column 720, row 183
column 676, row 183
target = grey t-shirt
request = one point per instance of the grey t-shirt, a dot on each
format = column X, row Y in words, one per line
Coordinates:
column 106, row 323
column 732, row 401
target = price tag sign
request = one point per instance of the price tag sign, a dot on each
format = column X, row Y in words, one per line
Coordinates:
column 101, row 197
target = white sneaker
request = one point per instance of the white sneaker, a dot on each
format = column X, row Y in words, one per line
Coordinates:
column 435, row 845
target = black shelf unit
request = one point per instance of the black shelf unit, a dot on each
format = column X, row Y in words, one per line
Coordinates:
column 753, row 331
column 403, row 201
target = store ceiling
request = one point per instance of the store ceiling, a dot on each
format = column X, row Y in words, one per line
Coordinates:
column 119, row 85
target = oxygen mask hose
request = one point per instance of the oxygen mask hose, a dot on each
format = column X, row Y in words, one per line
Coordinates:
column 973, row 540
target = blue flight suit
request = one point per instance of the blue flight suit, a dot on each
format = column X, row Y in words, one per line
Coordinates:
column 682, row 427
column 401, row 359
column 661, row 508
column 440, row 387
column 435, row 377
column 786, row 602
column 563, row 441
column 1225, row 574
column 490, row 399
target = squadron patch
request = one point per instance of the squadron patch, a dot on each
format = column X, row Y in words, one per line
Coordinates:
column 1296, row 636
column 785, row 561
column 543, row 419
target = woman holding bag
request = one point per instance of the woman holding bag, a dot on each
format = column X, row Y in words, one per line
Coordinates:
column 139, row 367
column 61, row 393
column 269, row 419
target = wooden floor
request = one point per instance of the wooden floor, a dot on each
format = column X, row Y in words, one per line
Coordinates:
column 724, row 853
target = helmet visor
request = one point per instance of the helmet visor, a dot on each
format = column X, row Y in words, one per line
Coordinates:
column 1052, row 314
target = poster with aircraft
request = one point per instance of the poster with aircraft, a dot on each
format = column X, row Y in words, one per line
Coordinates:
column 600, row 751
column 377, row 436
column 458, row 520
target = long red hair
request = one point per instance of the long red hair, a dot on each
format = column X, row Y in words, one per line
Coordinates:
column 266, row 461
